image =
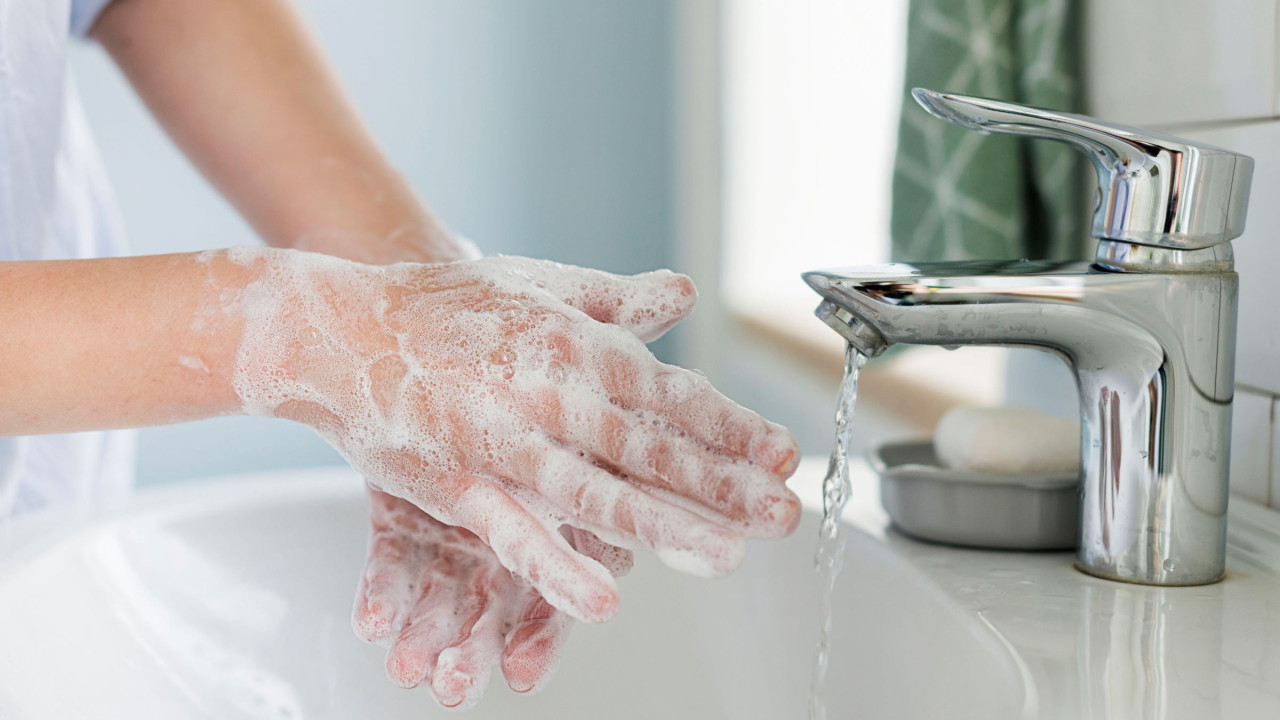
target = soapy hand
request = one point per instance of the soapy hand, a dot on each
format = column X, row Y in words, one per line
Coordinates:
column 512, row 397
column 439, row 600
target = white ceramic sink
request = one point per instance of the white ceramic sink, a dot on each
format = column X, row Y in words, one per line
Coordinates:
column 231, row 598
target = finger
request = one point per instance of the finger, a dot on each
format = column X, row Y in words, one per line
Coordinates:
column 384, row 595
column 646, row 305
column 617, row 560
column 534, row 644
column 633, row 379
column 462, row 670
column 601, row 500
column 431, row 627
column 737, row 493
column 524, row 545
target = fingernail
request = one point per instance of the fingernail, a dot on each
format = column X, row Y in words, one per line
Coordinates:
column 781, row 453
column 788, row 464
column 778, row 514
column 517, row 679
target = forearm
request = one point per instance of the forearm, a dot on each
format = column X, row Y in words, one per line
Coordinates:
column 121, row 342
column 242, row 88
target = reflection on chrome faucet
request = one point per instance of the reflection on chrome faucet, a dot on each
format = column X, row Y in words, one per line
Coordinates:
column 1148, row 328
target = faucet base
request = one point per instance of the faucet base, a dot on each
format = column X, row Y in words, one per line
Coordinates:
column 1187, row 582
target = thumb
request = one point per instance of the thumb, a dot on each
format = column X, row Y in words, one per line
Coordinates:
column 652, row 303
column 647, row 305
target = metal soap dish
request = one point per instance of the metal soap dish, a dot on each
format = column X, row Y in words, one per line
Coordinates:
column 1008, row 511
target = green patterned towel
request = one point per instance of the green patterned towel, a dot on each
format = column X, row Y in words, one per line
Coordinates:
column 958, row 194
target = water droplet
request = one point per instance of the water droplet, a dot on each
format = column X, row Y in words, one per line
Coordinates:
column 1169, row 565
column 508, row 372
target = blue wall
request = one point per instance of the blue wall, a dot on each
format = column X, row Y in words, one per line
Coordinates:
column 535, row 128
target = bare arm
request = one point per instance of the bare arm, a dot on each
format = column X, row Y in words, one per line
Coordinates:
column 242, row 88
column 124, row 342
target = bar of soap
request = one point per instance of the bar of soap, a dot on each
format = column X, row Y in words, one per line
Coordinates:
column 1007, row 440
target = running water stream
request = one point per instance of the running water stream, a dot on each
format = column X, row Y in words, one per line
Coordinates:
column 830, row 554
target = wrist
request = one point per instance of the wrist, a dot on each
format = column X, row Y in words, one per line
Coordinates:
column 309, row 324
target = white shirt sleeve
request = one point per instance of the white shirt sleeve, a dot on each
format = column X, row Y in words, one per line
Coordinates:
column 83, row 14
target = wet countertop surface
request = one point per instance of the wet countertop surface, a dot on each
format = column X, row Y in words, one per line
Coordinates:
column 1087, row 647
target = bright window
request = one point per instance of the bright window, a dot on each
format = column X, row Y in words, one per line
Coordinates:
column 812, row 96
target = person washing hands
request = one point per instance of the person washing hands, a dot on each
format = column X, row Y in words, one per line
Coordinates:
column 518, row 438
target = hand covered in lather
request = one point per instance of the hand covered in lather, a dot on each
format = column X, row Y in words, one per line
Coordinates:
column 439, row 600
column 512, row 397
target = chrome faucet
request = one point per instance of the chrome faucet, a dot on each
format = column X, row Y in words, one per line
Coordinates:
column 1148, row 328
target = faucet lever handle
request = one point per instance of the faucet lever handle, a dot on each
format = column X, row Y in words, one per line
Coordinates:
column 1153, row 189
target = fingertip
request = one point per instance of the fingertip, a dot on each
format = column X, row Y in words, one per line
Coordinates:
column 586, row 592
column 528, row 681
column 405, row 667
column 781, row 453
column 683, row 296
column 453, row 687
column 594, row 604
column 667, row 298
column 531, row 683
column 682, row 286
column 373, row 621
column 602, row 604
column 531, row 657
column 777, row 514
column 734, row 551
column 789, row 462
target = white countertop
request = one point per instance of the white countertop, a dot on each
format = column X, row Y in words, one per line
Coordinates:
column 1097, row 648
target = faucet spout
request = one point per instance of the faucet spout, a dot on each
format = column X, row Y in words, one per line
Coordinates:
column 1153, row 357
column 861, row 335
